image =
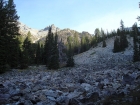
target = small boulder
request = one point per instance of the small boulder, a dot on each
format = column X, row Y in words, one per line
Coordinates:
column 128, row 79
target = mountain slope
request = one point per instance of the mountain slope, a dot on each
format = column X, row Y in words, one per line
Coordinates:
column 104, row 56
column 40, row 35
column 98, row 74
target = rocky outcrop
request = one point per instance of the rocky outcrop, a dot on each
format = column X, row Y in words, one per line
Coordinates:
column 40, row 35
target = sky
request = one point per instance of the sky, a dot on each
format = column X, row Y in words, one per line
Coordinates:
column 79, row 15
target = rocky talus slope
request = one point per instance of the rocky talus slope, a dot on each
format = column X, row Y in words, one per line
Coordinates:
column 98, row 73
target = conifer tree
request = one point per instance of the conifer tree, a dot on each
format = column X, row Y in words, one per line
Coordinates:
column 104, row 43
column 2, row 36
column 12, row 32
column 97, row 35
column 116, row 45
column 25, row 55
column 70, row 61
column 103, row 38
column 120, row 43
column 51, row 53
column 76, row 43
column 136, row 56
column 48, row 47
column 38, row 54
column 8, row 34
column 123, row 38
column 54, row 58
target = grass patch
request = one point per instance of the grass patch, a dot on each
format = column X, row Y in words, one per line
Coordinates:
column 93, row 53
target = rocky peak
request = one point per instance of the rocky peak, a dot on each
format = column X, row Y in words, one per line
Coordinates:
column 45, row 29
column 54, row 28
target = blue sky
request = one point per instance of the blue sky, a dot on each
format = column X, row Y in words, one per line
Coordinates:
column 80, row 15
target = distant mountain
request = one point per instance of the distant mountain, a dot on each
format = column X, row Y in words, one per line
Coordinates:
column 36, row 34
column 39, row 35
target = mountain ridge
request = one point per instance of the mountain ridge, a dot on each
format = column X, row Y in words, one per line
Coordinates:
column 39, row 34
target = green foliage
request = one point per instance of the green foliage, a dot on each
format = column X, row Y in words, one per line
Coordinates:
column 104, row 43
column 85, row 44
column 54, row 58
column 26, row 55
column 103, row 38
column 120, row 43
column 51, row 54
column 9, row 45
column 136, row 41
column 97, row 35
column 116, row 45
column 76, row 43
column 48, row 47
column 24, row 59
column 70, row 61
column 93, row 53
column 38, row 54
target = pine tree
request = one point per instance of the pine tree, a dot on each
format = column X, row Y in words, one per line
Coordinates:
column 97, row 35
column 70, row 61
column 54, row 58
column 8, row 35
column 25, row 55
column 123, row 38
column 103, row 38
column 76, row 43
column 15, row 54
column 12, row 32
column 2, row 37
column 120, row 43
column 24, row 59
column 48, row 47
column 118, row 32
column 38, row 54
column 83, row 46
column 51, row 54
column 136, row 50
column 116, row 45
column 104, row 43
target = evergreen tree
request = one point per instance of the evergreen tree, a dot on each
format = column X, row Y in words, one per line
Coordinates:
column 104, row 43
column 118, row 32
column 136, row 56
column 120, row 43
column 8, row 35
column 70, row 61
column 48, row 47
column 51, row 53
column 42, row 54
column 38, row 54
column 123, row 38
column 116, row 45
column 54, row 58
column 83, row 44
column 103, row 38
column 25, row 55
column 24, row 59
column 12, row 32
column 97, row 35
column 2, row 37
column 15, row 54
column 76, row 43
